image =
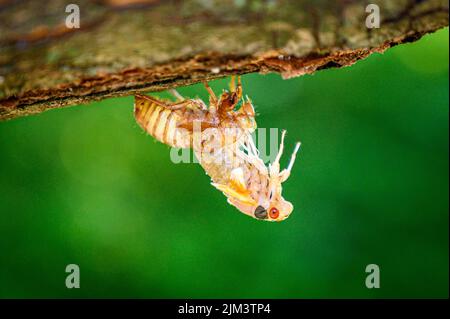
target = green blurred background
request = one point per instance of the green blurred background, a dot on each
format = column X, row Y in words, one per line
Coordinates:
column 85, row 185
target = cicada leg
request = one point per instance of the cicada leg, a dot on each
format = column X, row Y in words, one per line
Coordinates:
column 287, row 171
column 193, row 104
column 236, row 89
column 212, row 97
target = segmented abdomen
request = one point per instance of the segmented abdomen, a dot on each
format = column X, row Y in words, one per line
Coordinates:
column 161, row 123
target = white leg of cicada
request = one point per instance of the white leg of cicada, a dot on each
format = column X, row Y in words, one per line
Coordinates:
column 284, row 175
column 293, row 156
column 232, row 83
column 247, row 155
column 192, row 104
column 280, row 150
column 275, row 166
column 253, row 149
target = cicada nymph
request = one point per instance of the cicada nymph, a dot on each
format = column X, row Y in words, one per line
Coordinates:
column 220, row 136
column 172, row 123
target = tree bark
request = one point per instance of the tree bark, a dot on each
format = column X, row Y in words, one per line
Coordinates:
column 129, row 46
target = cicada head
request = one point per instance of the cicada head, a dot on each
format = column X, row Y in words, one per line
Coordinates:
column 275, row 210
column 273, row 206
column 268, row 204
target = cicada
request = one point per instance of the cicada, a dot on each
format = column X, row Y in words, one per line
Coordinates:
column 220, row 135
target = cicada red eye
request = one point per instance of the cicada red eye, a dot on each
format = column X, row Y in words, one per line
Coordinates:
column 274, row 213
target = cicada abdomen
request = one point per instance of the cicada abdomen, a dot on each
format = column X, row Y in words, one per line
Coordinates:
column 162, row 122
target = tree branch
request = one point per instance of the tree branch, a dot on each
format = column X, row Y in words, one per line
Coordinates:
column 124, row 47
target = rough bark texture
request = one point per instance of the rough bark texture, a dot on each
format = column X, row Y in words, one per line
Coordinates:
column 124, row 47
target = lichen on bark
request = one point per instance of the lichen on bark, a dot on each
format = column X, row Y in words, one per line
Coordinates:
column 153, row 45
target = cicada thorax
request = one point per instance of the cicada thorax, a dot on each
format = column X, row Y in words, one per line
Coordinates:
column 239, row 177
